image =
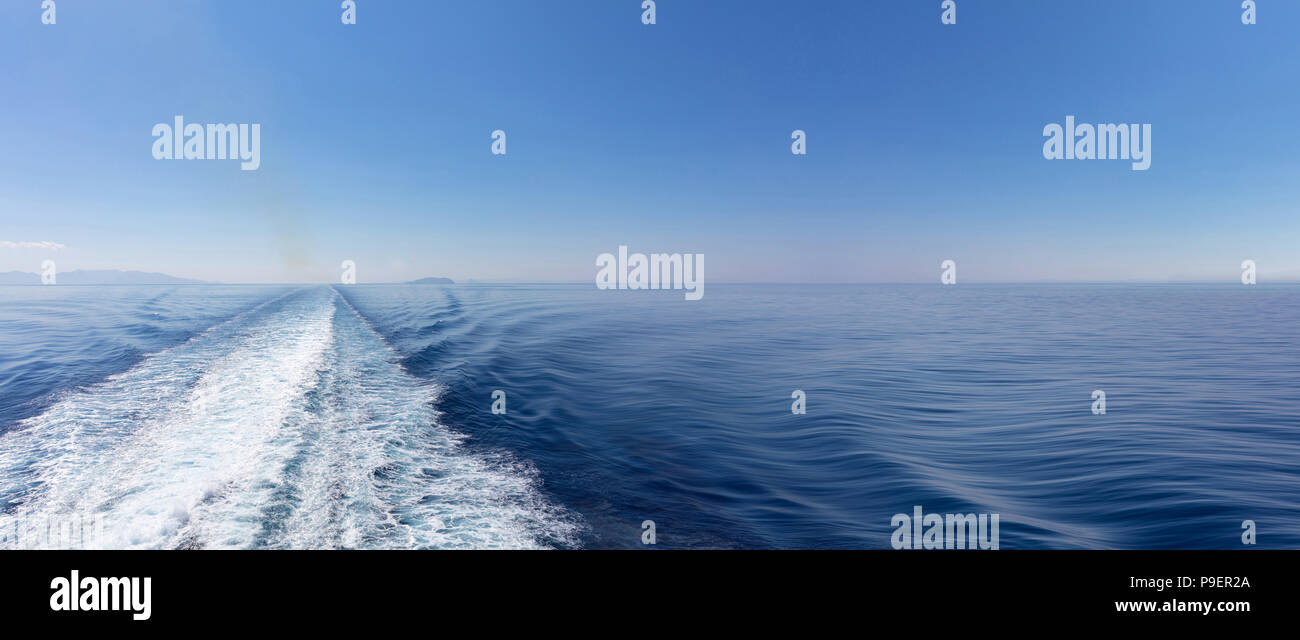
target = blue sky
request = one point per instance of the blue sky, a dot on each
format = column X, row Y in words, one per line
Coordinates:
column 924, row 140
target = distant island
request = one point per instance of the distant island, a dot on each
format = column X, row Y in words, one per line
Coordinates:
column 96, row 277
column 111, row 276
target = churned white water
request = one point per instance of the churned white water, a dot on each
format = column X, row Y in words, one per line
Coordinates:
column 289, row 426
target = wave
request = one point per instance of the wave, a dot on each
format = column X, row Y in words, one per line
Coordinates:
column 291, row 425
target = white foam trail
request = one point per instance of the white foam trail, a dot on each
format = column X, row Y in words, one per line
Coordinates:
column 291, row 426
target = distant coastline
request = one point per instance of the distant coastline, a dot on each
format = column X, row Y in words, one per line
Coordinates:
column 97, row 277
column 114, row 276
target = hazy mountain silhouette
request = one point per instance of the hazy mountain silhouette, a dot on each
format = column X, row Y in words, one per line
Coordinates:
column 96, row 277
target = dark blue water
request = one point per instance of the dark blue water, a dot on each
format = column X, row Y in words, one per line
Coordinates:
column 632, row 406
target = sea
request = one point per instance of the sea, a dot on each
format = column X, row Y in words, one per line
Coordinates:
column 562, row 416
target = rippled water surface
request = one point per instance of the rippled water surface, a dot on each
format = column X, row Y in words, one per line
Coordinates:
column 318, row 416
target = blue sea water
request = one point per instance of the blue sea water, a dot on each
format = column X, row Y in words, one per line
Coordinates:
column 360, row 416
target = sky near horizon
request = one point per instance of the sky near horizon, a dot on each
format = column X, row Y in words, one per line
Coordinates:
column 924, row 140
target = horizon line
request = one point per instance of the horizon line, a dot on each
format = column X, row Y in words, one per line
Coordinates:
column 587, row 282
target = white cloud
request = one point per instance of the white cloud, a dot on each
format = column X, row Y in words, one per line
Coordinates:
column 52, row 246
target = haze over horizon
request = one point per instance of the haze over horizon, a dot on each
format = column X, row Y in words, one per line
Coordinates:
column 93, row 275
column 924, row 140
